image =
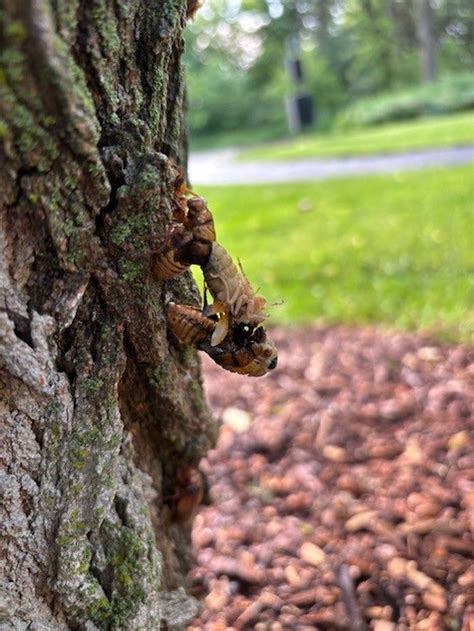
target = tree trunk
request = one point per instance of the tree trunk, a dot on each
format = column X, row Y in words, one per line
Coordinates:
column 100, row 412
column 426, row 38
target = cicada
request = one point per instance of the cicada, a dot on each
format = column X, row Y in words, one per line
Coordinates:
column 190, row 237
column 247, row 352
column 189, row 494
column 234, row 298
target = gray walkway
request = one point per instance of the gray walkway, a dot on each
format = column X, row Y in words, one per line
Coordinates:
column 221, row 167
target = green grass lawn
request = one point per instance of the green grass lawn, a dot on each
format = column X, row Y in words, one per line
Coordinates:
column 397, row 250
column 443, row 131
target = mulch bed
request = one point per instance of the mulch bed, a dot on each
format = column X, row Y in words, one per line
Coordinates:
column 342, row 488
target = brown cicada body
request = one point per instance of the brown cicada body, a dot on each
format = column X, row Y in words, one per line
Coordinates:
column 243, row 352
column 229, row 330
column 188, row 324
column 200, row 223
column 191, row 236
column 188, row 493
column 192, row 7
column 167, row 263
column 254, row 356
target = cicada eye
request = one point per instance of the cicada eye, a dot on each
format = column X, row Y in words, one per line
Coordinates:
column 273, row 363
column 259, row 334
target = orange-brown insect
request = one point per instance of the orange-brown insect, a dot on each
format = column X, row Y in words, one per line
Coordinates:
column 244, row 351
column 231, row 291
column 253, row 360
column 190, row 238
column 188, row 324
column 167, row 263
column 190, row 489
column 193, row 7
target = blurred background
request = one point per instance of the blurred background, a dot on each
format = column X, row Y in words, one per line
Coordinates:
column 252, row 63
column 307, row 91
column 334, row 142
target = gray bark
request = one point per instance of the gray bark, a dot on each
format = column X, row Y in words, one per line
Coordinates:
column 427, row 40
column 99, row 410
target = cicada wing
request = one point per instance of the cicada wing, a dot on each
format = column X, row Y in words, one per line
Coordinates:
column 221, row 330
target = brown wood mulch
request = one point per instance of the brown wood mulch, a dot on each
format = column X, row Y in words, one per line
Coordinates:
column 342, row 488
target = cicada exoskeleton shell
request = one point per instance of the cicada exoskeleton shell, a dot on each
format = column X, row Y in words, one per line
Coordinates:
column 188, row 324
column 167, row 263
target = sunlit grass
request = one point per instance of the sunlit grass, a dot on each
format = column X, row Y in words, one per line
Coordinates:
column 455, row 129
column 397, row 250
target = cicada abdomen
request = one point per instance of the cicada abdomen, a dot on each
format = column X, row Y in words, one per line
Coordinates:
column 188, row 324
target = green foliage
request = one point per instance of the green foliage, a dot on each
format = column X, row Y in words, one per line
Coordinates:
column 395, row 249
column 456, row 129
column 450, row 94
column 350, row 50
column 327, row 88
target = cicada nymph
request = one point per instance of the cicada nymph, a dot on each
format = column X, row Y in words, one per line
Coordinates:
column 192, row 8
column 254, row 359
column 188, row 495
column 229, row 330
column 244, row 352
column 190, row 237
column 188, row 324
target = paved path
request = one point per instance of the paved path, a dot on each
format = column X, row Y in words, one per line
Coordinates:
column 221, row 167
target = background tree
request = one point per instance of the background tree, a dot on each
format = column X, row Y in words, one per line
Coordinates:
column 350, row 50
column 100, row 413
column 427, row 39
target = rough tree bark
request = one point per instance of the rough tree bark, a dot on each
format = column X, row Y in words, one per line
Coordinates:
column 99, row 410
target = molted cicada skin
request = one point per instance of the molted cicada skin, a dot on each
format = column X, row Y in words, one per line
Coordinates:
column 189, row 240
column 167, row 264
column 245, row 353
column 229, row 330
column 254, row 358
column 188, row 324
column 200, row 222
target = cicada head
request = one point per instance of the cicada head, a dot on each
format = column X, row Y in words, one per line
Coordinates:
column 265, row 359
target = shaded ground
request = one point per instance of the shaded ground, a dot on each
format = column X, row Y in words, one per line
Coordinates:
column 221, row 166
column 349, row 502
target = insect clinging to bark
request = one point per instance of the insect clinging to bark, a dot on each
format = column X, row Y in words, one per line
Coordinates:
column 189, row 240
column 229, row 330
column 200, row 222
column 244, row 352
column 231, row 290
column 190, row 490
column 193, row 7
column 188, row 324
column 254, row 359
column 167, row 262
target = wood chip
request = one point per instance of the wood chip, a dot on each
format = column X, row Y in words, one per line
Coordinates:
column 317, row 465
column 312, row 554
column 334, row 453
column 361, row 520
